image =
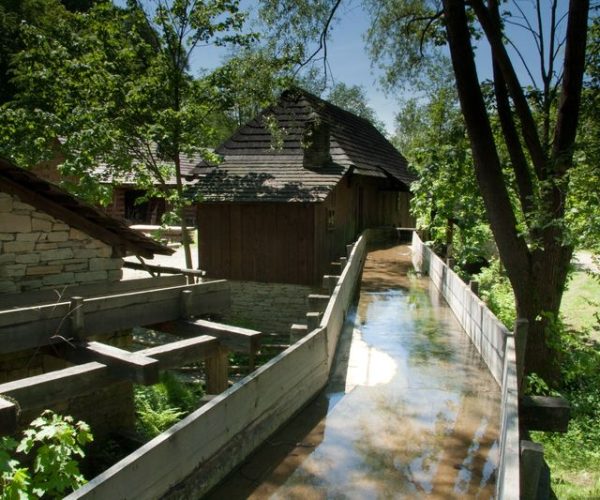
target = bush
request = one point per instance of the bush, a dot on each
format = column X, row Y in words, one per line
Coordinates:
column 52, row 443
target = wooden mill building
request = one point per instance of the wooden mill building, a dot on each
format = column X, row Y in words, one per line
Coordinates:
column 296, row 184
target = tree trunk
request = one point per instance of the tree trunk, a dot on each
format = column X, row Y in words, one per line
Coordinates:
column 185, row 240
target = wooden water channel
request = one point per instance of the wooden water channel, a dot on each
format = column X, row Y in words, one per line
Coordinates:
column 195, row 454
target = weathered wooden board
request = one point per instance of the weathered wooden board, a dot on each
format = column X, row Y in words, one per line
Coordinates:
column 545, row 413
column 63, row 294
column 233, row 337
column 31, row 327
column 270, row 395
column 8, row 417
column 183, row 352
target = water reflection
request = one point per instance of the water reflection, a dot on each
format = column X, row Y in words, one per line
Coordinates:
column 410, row 410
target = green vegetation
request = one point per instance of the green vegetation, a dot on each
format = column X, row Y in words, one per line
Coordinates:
column 581, row 303
column 159, row 406
column 45, row 461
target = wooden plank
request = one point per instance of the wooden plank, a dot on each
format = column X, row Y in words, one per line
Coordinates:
column 44, row 390
column 63, row 294
column 532, row 461
column 8, row 417
column 217, row 372
column 31, row 327
column 252, row 408
column 182, row 352
column 545, row 413
column 134, row 366
column 152, row 268
column 233, row 337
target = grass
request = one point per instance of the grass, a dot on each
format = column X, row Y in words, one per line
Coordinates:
column 581, row 301
column 574, row 457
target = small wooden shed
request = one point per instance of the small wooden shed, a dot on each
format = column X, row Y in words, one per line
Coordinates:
column 49, row 238
column 296, row 184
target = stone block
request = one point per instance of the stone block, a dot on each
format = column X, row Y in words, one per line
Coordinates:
column 14, row 223
column 104, row 264
column 43, row 215
column 42, row 246
column 8, row 258
column 58, row 254
column 19, row 246
column 28, row 258
column 77, row 267
column 19, row 205
column 59, row 279
column 13, row 270
column 38, row 224
column 84, row 253
column 6, row 204
column 7, row 236
column 115, row 275
column 33, row 236
column 91, row 276
column 105, row 251
column 29, row 285
column 60, row 226
column 76, row 234
column 43, row 270
column 56, row 236
column 69, row 244
column 7, row 286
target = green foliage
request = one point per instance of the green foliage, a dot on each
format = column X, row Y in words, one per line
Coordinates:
column 496, row 291
column 53, row 442
column 159, row 406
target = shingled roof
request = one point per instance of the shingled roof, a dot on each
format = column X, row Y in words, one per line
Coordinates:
column 53, row 200
column 263, row 160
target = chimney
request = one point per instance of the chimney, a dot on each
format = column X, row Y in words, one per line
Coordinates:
column 315, row 142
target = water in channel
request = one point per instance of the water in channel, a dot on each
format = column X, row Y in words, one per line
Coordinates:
column 410, row 410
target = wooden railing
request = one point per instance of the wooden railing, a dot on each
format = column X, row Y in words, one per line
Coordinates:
column 496, row 344
column 196, row 453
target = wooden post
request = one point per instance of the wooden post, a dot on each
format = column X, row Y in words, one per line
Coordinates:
column 312, row 320
column 317, row 302
column 474, row 286
column 8, row 417
column 520, row 333
column 349, row 250
column 329, row 282
column 297, row 331
column 532, row 459
column 76, row 313
column 217, row 372
column 186, row 303
column 343, row 262
column 450, row 263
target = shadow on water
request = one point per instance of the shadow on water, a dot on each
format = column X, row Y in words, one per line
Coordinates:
column 410, row 410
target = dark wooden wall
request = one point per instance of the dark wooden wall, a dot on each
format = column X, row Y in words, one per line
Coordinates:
column 268, row 242
column 294, row 242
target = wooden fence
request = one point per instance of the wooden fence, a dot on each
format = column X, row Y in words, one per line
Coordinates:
column 196, row 453
column 496, row 345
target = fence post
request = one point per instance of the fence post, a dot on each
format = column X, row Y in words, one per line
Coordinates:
column 217, row 372
column 77, row 318
column 520, row 332
column 532, row 460
column 186, row 304
column 474, row 286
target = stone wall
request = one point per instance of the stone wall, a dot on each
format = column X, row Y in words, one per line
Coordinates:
column 268, row 307
column 38, row 251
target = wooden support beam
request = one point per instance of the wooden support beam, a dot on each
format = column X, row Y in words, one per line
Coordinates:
column 297, row 331
column 183, row 351
column 474, row 286
column 317, row 302
column 544, row 413
column 343, row 263
column 163, row 269
column 330, row 282
column 43, row 391
column 186, row 304
column 312, row 320
column 520, row 329
column 8, row 417
column 122, row 364
column 349, row 249
column 233, row 337
column 336, row 267
column 217, row 372
column 532, row 461
column 77, row 318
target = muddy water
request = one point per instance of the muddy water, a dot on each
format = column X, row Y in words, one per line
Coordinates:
column 410, row 410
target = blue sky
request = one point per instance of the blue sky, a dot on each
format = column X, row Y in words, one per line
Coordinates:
column 350, row 62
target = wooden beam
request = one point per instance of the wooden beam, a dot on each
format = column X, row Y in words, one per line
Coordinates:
column 183, row 351
column 163, row 269
column 217, row 372
column 8, row 417
column 544, row 413
column 31, row 327
column 317, row 302
column 233, row 337
column 42, row 391
column 136, row 367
